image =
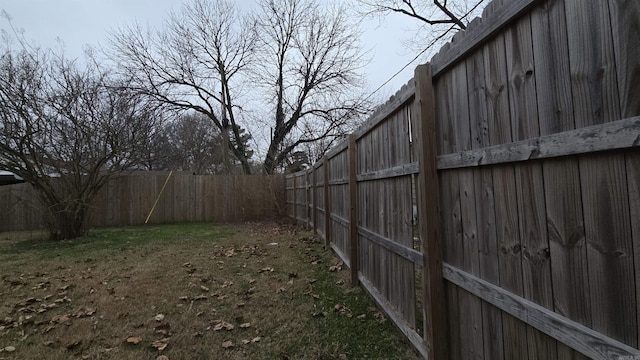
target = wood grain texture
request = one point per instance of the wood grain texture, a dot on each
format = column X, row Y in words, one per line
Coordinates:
column 353, row 212
column 579, row 337
column 327, row 205
column 592, row 63
column 603, row 179
column 614, row 135
column 504, row 190
column 395, row 171
column 413, row 337
column 449, row 203
column 609, row 247
column 500, row 17
column 428, row 201
column 633, row 171
column 565, row 226
column 470, row 306
column 484, row 205
column 397, row 101
column 536, row 266
column 625, row 21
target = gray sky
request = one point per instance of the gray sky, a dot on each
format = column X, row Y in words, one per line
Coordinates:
column 81, row 22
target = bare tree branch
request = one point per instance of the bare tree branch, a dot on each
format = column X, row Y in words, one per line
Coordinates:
column 315, row 79
column 439, row 17
column 203, row 52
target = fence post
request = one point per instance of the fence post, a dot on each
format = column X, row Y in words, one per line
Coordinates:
column 435, row 312
column 327, row 208
column 353, row 211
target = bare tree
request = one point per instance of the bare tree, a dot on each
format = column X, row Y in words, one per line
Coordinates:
column 312, row 74
column 66, row 130
column 190, row 143
column 437, row 17
column 298, row 60
column 195, row 63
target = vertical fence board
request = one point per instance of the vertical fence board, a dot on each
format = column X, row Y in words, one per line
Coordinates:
column 470, row 306
column 565, row 225
column 450, row 206
column 603, row 179
column 536, row 269
column 509, row 260
column 484, row 205
column 353, row 212
column 327, row 205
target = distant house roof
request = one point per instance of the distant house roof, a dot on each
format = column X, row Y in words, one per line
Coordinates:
column 7, row 178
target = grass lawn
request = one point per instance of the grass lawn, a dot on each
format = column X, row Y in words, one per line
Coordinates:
column 186, row 291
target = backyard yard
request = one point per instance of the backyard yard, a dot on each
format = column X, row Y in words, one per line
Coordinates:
column 185, row 291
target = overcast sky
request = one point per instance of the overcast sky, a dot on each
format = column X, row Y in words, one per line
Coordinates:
column 81, row 22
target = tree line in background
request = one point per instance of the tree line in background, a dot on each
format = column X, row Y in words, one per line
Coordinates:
column 182, row 98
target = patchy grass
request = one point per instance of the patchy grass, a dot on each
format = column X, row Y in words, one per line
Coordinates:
column 189, row 291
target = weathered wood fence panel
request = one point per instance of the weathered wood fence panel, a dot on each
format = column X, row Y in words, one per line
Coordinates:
column 338, row 165
column 522, row 138
column 320, row 207
column 128, row 200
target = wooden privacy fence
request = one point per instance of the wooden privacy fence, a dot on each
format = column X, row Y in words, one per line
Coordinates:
column 128, row 200
column 519, row 143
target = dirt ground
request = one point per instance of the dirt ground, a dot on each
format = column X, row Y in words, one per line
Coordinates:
column 186, row 291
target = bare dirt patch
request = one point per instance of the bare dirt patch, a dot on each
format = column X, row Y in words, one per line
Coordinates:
column 188, row 291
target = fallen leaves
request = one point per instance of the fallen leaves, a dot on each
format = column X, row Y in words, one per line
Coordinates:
column 85, row 312
column 377, row 314
column 134, row 340
column 60, row 319
column 161, row 344
column 342, row 310
column 190, row 299
column 336, row 267
column 229, row 344
column 222, row 325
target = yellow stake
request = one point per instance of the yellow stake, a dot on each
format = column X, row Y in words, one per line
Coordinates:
column 158, row 198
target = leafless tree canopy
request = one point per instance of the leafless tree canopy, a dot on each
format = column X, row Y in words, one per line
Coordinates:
column 66, row 130
column 439, row 18
column 297, row 59
column 194, row 63
column 189, row 143
column 313, row 78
